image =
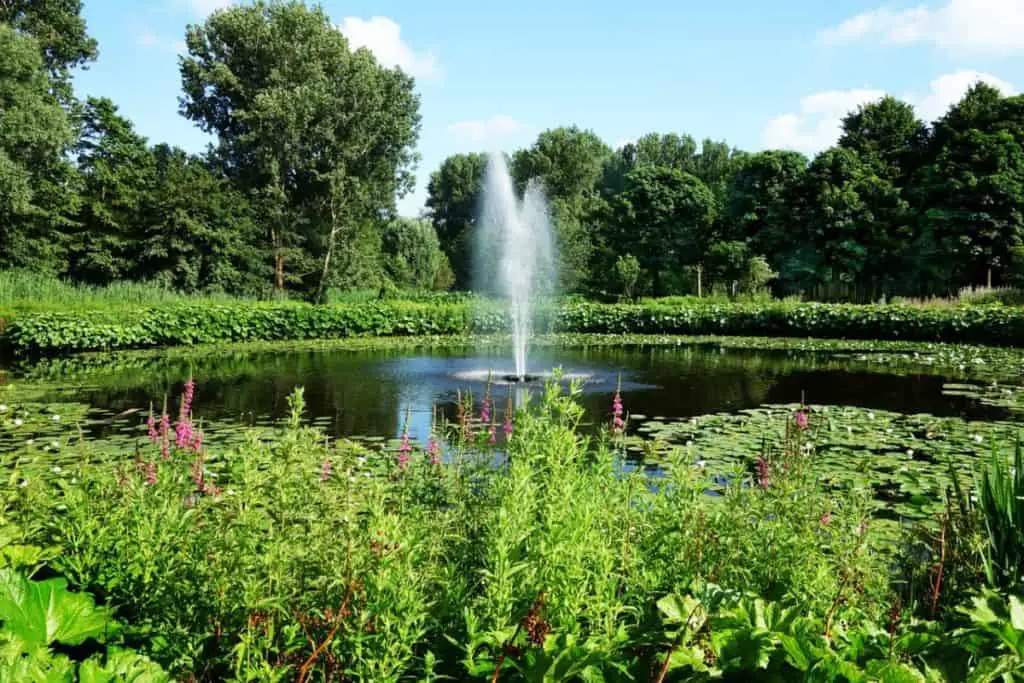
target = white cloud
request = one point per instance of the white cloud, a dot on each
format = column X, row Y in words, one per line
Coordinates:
column 816, row 125
column 976, row 25
column 487, row 131
column 947, row 90
column 383, row 37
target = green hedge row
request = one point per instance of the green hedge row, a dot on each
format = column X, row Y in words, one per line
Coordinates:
column 183, row 324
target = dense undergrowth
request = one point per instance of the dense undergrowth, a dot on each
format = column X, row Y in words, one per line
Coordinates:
column 27, row 332
column 291, row 558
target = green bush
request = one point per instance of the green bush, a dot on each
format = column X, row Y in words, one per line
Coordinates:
column 45, row 332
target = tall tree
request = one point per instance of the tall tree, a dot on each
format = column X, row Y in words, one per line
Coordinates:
column 663, row 218
column 320, row 135
column 117, row 169
column 453, row 204
column 195, row 231
column 759, row 200
column 887, row 135
column 569, row 164
column 61, row 33
column 972, row 189
column 37, row 184
column 412, row 255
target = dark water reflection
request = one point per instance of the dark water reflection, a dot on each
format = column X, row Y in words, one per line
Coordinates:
column 368, row 393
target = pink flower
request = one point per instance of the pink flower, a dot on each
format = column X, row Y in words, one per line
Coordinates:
column 152, row 433
column 197, row 442
column 325, row 470
column 763, row 473
column 485, row 410
column 508, row 425
column 801, row 420
column 183, row 433
column 187, row 396
column 618, row 424
column 826, row 518
column 492, row 435
column 434, row 451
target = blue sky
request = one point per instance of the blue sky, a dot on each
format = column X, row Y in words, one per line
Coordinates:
column 493, row 75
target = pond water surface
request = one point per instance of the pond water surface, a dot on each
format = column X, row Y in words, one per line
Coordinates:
column 369, row 393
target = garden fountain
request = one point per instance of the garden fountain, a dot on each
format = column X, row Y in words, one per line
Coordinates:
column 514, row 253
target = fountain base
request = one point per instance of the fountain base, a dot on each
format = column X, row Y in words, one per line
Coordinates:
column 521, row 379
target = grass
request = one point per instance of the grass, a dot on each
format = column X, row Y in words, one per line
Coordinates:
column 27, row 291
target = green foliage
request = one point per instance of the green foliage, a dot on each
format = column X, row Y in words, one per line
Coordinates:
column 412, row 255
column 305, row 558
column 1001, row 507
column 63, row 331
column 36, row 181
column 320, row 134
column 37, row 617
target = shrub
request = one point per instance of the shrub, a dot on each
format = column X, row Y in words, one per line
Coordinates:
column 41, row 332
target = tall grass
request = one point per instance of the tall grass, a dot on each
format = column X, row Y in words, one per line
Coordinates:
column 1001, row 503
column 25, row 290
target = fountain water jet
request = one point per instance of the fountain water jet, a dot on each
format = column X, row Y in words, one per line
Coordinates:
column 514, row 243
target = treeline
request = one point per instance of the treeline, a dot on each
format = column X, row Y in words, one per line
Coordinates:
column 895, row 208
column 313, row 143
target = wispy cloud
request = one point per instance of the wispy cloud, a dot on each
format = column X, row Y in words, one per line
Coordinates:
column 817, row 122
column 962, row 25
column 487, row 131
column 383, row 37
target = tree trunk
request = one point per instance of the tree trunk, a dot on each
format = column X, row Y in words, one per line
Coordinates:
column 700, row 285
column 989, row 278
column 327, row 255
column 278, row 270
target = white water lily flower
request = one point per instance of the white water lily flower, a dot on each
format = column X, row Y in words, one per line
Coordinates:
column 24, row 483
column 979, row 438
column 56, row 469
column 18, row 422
column 3, row 408
column 230, row 492
column 910, row 452
column 871, row 416
column 701, row 463
column 55, row 418
column 29, row 442
column 849, row 429
column 54, row 444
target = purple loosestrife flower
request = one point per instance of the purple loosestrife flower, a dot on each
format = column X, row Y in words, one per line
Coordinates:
column 826, row 518
column 508, row 418
column 763, row 473
column 183, row 433
column 434, row 451
column 325, row 470
column 485, row 411
column 492, row 437
column 151, row 424
column 618, row 424
column 404, row 449
column 187, row 396
column 197, row 442
column 801, row 420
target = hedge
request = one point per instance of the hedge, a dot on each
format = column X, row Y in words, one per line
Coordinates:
column 52, row 333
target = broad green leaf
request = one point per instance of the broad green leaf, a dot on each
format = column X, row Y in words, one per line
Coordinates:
column 45, row 612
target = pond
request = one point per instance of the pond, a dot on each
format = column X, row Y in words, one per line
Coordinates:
column 369, row 393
